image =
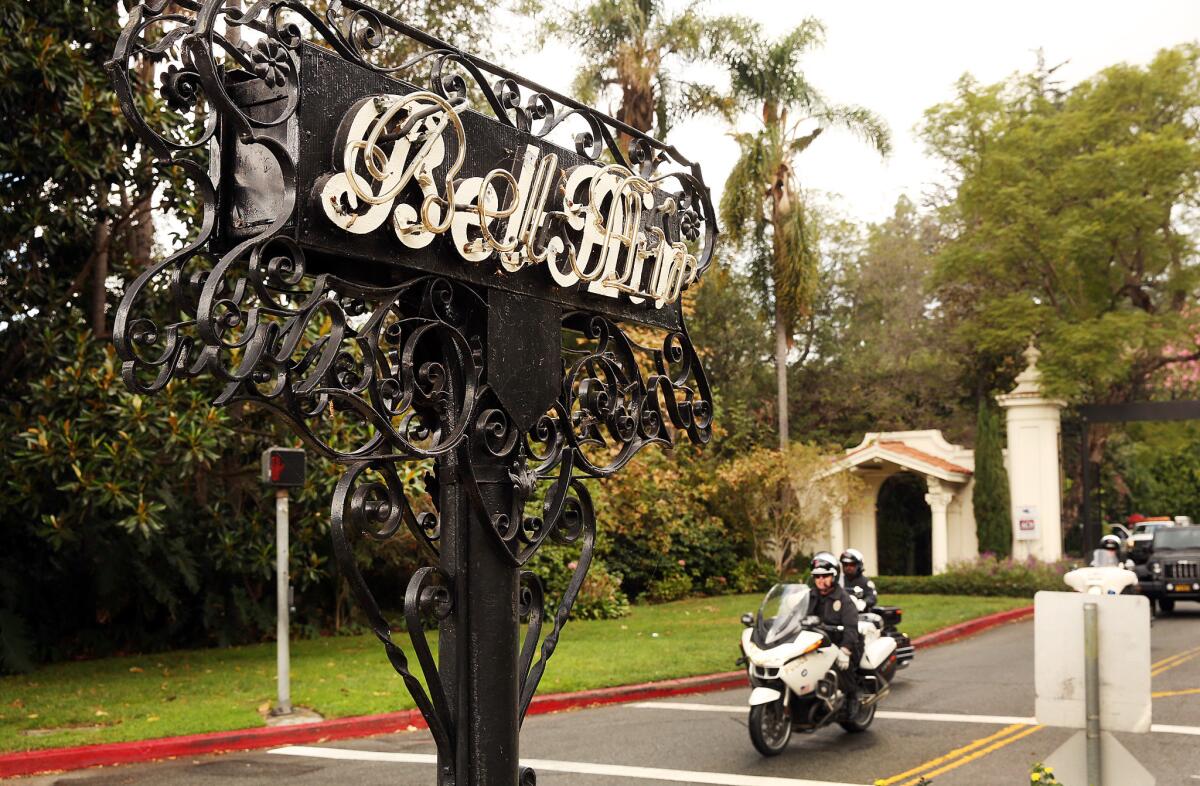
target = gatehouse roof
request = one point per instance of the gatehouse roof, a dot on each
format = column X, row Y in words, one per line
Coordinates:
column 923, row 452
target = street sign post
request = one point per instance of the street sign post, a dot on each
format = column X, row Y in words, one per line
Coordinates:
column 402, row 275
column 1092, row 672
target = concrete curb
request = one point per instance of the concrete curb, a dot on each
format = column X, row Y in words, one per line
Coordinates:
column 60, row 759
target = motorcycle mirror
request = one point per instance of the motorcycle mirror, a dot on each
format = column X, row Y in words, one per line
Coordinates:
column 747, row 619
column 858, row 591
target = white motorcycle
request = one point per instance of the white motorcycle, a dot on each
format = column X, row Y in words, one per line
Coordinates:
column 791, row 660
column 1105, row 576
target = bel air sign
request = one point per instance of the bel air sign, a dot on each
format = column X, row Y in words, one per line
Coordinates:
column 415, row 179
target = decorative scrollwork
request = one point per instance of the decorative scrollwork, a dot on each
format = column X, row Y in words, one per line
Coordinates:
column 576, row 525
column 356, row 511
column 374, row 370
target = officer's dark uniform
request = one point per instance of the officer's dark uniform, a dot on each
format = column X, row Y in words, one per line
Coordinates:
column 870, row 597
column 837, row 608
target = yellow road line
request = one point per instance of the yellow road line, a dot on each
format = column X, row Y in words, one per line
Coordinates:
column 1183, row 658
column 973, row 756
column 1164, row 693
column 956, row 752
column 1164, row 661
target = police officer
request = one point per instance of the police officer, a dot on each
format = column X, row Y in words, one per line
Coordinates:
column 853, row 578
column 1109, row 552
column 834, row 606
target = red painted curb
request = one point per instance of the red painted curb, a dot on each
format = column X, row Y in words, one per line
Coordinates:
column 970, row 627
column 57, row 759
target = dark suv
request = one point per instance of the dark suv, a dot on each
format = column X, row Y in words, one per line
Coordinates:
column 1173, row 567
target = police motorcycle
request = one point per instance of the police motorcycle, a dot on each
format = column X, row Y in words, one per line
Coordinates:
column 791, row 657
column 1107, row 575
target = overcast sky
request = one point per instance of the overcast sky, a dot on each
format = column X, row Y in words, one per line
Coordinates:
column 898, row 59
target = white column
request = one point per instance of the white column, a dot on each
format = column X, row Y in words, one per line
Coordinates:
column 1033, row 425
column 837, row 530
column 939, row 498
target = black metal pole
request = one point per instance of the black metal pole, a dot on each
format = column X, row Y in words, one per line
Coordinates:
column 1089, row 535
column 479, row 642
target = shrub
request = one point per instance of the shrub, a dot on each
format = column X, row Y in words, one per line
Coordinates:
column 673, row 586
column 985, row 576
column 716, row 585
column 600, row 597
column 644, row 532
column 753, row 576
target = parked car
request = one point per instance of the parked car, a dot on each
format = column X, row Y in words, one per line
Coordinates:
column 1137, row 546
column 1173, row 567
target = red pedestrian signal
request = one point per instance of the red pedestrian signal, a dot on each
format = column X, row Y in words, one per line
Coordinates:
column 283, row 467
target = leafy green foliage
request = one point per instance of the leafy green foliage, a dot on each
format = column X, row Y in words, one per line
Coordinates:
column 874, row 355
column 985, row 577
column 993, row 518
column 147, row 518
column 1152, row 469
column 1074, row 219
column 658, row 518
column 673, row 586
column 763, row 210
column 639, row 50
column 600, row 596
column 784, row 501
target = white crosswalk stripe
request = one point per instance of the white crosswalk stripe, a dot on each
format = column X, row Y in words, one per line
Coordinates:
column 574, row 767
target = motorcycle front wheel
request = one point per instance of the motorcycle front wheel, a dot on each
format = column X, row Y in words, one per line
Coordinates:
column 770, row 727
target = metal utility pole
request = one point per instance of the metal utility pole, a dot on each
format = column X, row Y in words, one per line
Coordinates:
column 1091, row 679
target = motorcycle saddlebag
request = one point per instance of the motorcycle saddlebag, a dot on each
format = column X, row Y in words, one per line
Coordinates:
column 877, row 652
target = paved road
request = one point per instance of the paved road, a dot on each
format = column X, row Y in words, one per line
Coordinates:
column 702, row 739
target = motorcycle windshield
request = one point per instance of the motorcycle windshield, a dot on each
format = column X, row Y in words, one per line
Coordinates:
column 1103, row 558
column 782, row 613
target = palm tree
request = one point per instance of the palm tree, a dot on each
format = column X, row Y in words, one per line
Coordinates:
column 632, row 46
column 763, row 207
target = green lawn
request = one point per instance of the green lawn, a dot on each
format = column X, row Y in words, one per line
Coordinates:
column 193, row 691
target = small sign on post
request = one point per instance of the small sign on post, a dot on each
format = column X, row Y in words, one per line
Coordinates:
column 282, row 468
column 1027, row 522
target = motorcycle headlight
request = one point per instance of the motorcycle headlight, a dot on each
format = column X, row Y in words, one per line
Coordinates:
column 1155, row 567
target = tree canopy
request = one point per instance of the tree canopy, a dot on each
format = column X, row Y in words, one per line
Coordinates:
column 1072, row 217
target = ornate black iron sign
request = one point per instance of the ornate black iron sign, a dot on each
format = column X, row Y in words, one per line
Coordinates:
column 447, row 279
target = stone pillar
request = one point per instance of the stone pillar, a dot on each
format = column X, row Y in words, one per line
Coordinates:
column 837, row 530
column 939, row 498
column 1034, row 426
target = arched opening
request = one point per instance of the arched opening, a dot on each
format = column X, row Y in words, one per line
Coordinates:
column 903, row 535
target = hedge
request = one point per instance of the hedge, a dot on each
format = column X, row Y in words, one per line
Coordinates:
column 986, row 576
